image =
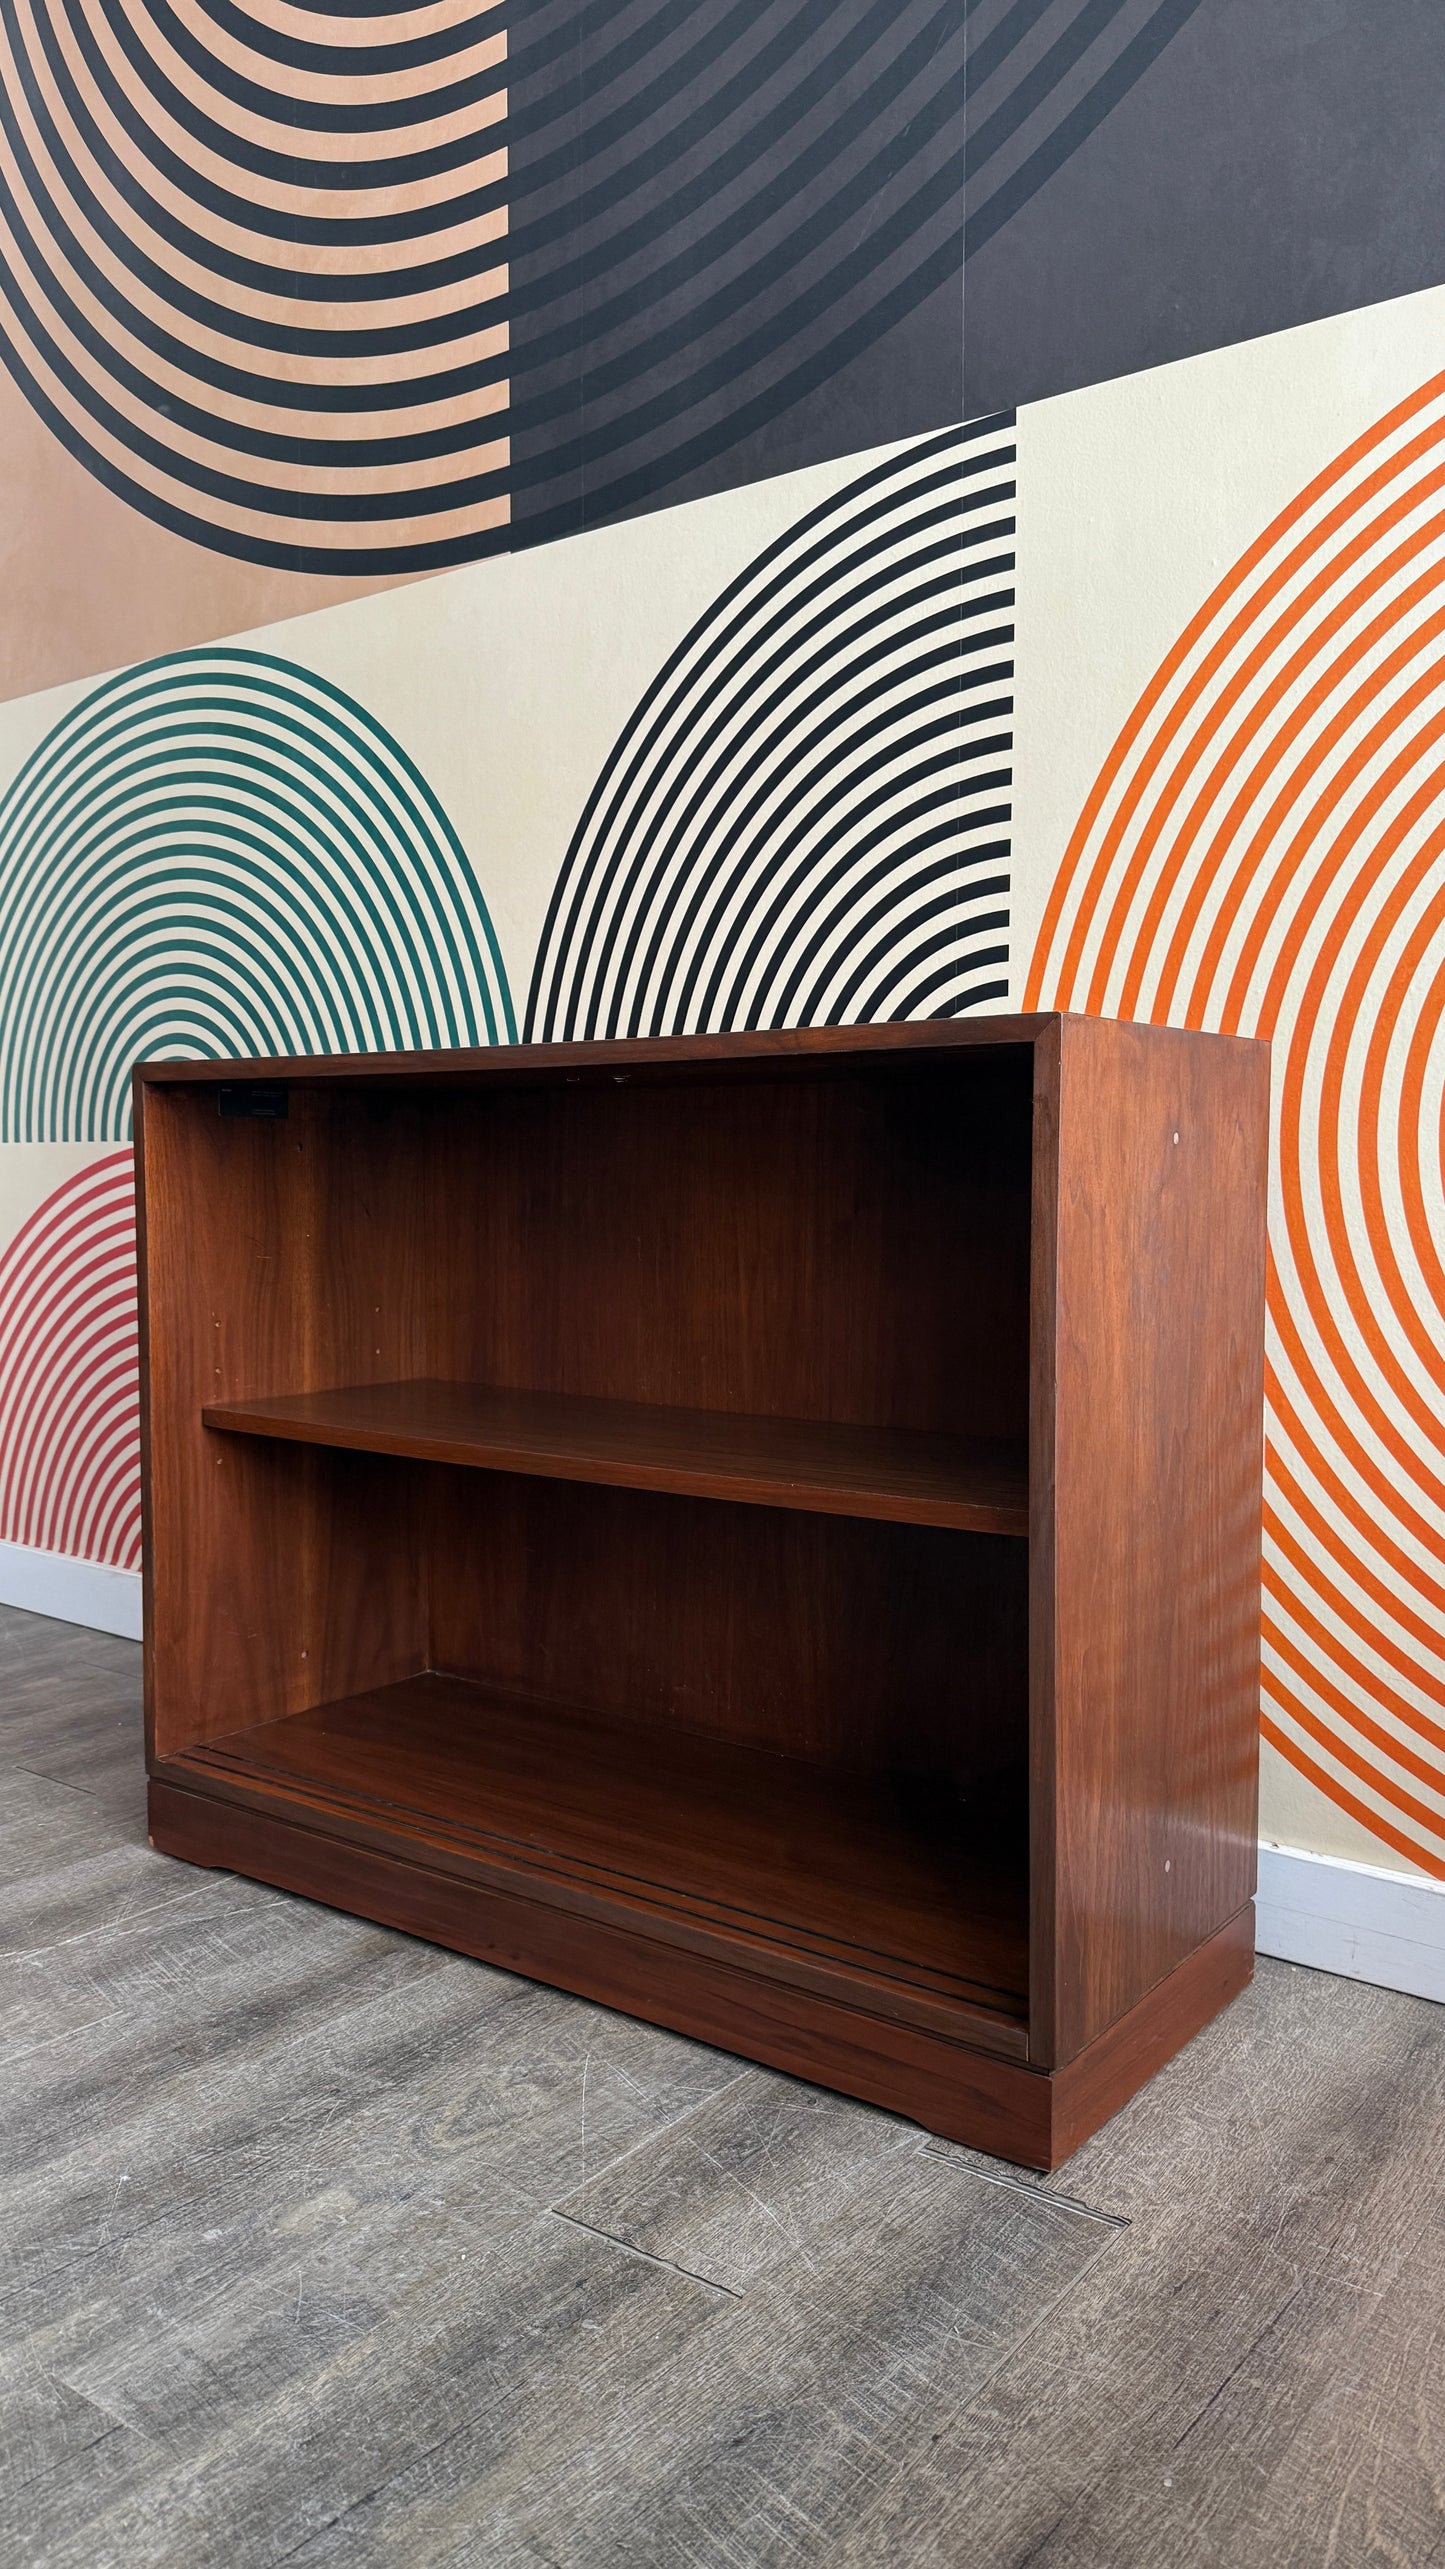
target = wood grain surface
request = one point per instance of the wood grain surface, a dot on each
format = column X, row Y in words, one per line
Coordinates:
column 963, row 2074
column 904, row 1888
column 849, row 1250
column 1148, row 1459
column 889, row 1650
column 275, row 1578
column 809, row 2023
column 893, row 1473
column 772, row 1052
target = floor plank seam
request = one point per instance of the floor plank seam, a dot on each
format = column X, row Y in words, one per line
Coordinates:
column 669, row 2264
column 1070, row 2203
column 314, row 2533
column 1238, row 2365
column 63, row 1784
column 907, row 2462
column 1254, row 2379
column 114, row 2425
column 1039, row 2322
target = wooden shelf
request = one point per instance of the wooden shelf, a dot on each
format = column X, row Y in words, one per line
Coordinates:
column 890, row 1473
column 899, row 1890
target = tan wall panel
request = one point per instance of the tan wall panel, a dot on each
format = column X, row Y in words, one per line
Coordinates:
column 87, row 583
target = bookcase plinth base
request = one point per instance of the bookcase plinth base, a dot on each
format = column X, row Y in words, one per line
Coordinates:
column 1035, row 2117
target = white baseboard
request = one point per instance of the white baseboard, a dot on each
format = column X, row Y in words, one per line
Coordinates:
column 1357, row 1919
column 89, row 1592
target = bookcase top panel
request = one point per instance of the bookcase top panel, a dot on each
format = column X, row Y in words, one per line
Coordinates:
column 760, row 1052
column 764, row 1049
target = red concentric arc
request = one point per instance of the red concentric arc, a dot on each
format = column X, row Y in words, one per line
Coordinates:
column 69, row 1387
column 1264, row 852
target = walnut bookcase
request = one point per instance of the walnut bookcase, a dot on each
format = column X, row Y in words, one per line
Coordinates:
column 762, row 1530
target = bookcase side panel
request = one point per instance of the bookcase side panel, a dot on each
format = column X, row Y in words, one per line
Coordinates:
column 276, row 1578
column 1150, row 1728
column 1042, row 1633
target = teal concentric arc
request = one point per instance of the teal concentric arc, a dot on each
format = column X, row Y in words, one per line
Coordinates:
column 219, row 855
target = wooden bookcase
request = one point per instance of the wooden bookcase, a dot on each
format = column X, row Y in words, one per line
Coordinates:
column 761, row 1530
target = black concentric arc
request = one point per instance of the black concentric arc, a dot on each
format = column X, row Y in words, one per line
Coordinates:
column 807, row 818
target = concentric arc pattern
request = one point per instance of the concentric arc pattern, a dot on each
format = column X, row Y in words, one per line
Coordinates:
column 719, row 210
column 69, row 1380
column 1040, row 79
column 221, row 855
column 253, row 268
column 1264, row 852
column 806, row 820
column 715, row 210
column 359, row 291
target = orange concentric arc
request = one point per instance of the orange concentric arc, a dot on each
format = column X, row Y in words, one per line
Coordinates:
column 1263, row 852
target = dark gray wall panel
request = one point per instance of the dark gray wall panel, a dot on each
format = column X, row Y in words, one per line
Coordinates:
column 736, row 242
column 1147, row 181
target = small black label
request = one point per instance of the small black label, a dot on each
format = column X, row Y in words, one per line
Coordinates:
column 265, row 1100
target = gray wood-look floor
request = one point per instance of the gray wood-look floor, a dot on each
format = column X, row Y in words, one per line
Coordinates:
column 321, row 2246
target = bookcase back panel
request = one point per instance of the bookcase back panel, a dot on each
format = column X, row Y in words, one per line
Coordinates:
column 846, row 1248
column 876, row 1648
column 463, row 1612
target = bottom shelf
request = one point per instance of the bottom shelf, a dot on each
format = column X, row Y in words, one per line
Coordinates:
column 893, row 1891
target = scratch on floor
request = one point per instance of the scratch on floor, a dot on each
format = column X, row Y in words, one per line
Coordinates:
column 122, row 2179
column 670, row 2264
column 791, row 2237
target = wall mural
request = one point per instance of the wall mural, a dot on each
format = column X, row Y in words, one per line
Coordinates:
column 1147, row 179
column 735, row 242
column 396, row 330
column 254, row 275
column 69, row 1385
column 806, row 819
column 1264, row 853
column 334, row 304
column 219, row 854
column 366, row 295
